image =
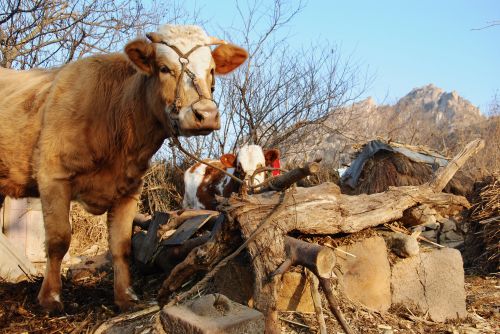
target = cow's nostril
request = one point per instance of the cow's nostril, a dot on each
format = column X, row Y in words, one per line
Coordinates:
column 198, row 115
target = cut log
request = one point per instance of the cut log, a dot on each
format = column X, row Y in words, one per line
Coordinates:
column 323, row 210
column 286, row 180
column 318, row 259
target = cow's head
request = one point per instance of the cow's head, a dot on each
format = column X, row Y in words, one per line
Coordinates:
column 180, row 69
column 248, row 159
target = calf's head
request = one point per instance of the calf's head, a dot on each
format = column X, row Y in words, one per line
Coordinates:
column 248, row 159
column 180, row 70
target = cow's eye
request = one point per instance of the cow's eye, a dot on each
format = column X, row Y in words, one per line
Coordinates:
column 212, row 88
column 165, row 69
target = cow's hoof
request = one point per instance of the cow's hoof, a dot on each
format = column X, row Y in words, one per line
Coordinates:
column 51, row 304
column 127, row 301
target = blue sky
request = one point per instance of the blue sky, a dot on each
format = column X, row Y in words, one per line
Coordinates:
column 404, row 44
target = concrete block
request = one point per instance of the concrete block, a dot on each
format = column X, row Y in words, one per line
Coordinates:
column 432, row 282
column 211, row 314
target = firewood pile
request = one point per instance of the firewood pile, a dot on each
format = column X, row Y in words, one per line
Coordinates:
column 336, row 238
column 483, row 228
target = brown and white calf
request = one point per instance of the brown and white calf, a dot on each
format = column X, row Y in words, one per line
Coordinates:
column 86, row 131
column 203, row 183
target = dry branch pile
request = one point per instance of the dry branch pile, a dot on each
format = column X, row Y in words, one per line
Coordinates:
column 163, row 186
column 483, row 235
column 264, row 220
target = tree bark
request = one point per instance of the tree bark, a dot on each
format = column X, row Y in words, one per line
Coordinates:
column 323, row 210
column 202, row 258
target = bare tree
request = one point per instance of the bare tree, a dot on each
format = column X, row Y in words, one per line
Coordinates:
column 281, row 90
column 494, row 107
column 44, row 33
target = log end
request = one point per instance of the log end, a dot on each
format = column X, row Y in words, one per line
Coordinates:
column 325, row 262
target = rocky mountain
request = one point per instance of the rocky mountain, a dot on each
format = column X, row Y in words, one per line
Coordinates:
column 425, row 116
column 440, row 107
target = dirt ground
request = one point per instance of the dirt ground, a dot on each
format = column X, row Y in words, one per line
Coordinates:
column 89, row 302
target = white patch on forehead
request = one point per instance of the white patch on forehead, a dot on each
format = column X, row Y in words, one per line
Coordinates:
column 249, row 157
column 185, row 38
column 183, row 35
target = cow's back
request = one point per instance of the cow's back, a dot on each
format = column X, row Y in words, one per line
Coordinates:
column 22, row 96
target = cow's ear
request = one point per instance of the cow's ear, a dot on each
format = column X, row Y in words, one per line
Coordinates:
column 271, row 156
column 142, row 54
column 228, row 160
column 228, row 57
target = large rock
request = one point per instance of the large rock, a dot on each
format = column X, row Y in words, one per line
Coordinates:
column 366, row 278
column 432, row 282
column 211, row 314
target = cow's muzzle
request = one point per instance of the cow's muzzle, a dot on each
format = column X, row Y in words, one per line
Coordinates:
column 200, row 118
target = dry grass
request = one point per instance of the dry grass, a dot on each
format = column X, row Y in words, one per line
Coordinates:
column 163, row 187
column 483, row 237
column 88, row 230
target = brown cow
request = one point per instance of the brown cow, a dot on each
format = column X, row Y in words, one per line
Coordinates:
column 87, row 130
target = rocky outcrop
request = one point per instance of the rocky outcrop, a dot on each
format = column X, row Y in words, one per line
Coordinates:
column 427, row 115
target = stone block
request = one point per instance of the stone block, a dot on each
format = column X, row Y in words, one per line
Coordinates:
column 295, row 293
column 366, row 278
column 432, row 282
column 211, row 314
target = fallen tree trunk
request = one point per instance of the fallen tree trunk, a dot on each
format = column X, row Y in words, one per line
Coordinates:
column 323, row 210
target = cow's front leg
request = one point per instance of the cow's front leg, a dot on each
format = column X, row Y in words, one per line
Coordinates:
column 55, row 195
column 120, row 219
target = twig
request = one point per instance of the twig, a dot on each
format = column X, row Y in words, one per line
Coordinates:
column 419, row 237
column 326, row 285
column 125, row 317
column 346, row 253
column 294, row 322
column 177, row 143
column 313, row 284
